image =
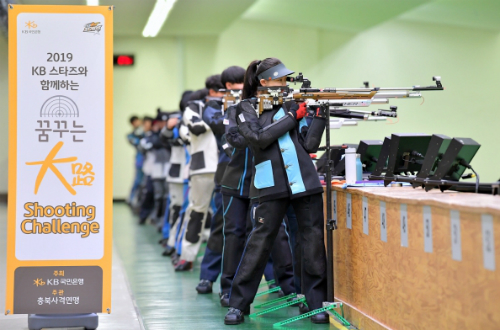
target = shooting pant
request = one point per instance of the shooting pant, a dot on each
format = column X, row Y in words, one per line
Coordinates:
column 176, row 195
column 269, row 216
column 236, row 215
column 160, row 189
column 281, row 257
column 212, row 260
column 200, row 194
column 147, row 199
column 136, row 186
column 179, row 192
column 293, row 227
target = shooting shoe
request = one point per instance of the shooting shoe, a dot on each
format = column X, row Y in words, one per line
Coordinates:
column 234, row 316
column 175, row 259
column 320, row 318
column 168, row 251
column 224, row 300
column 183, row 266
column 294, row 299
column 303, row 308
column 205, row 286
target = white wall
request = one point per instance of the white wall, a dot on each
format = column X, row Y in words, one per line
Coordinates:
column 403, row 53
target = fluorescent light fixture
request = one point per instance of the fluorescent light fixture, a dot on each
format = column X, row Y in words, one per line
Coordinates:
column 158, row 17
column 92, row 2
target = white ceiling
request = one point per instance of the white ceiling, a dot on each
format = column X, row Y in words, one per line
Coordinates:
column 211, row 17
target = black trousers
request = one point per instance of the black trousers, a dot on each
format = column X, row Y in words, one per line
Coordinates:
column 236, row 227
column 160, row 193
column 281, row 257
column 269, row 216
column 236, row 215
column 147, row 199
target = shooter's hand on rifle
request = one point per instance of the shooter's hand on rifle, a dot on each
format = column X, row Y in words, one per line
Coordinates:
column 299, row 113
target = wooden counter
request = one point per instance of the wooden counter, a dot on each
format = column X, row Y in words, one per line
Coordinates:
column 431, row 260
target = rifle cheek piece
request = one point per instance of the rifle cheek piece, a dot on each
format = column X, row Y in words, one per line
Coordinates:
column 275, row 72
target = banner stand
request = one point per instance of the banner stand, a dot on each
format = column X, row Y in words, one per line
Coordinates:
column 40, row 321
column 60, row 208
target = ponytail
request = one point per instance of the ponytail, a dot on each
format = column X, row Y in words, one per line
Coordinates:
column 251, row 82
column 255, row 68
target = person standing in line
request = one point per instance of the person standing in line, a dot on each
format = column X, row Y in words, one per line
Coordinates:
column 204, row 157
column 157, row 160
column 231, row 79
column 240, row 199
column 134, row 138
column 176, row 176
column 284, row 175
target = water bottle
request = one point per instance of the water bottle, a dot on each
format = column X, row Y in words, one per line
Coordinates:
column 350, row 165
column 359, row 168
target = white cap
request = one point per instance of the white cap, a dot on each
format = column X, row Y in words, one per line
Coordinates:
column 350, row 151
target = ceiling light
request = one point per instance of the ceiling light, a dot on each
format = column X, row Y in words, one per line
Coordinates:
column 92, row 2
column 158, row 17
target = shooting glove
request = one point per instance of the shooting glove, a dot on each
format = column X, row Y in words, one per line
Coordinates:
column 297, row 111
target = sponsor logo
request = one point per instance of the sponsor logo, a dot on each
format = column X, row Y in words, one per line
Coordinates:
column 30, row 27
column 94, row 27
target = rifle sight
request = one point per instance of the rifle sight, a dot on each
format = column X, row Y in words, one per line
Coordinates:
column 306, row 83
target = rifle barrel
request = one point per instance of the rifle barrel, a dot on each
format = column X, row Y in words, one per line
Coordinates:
column 396, row 94
column 348, row 114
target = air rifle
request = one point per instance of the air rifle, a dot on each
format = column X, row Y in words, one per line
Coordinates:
column 337, row 97
column 231, row 97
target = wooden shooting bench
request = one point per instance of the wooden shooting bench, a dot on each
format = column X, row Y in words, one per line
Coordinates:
column 435, row 266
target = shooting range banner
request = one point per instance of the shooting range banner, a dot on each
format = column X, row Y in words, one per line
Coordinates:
column 60, row 159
